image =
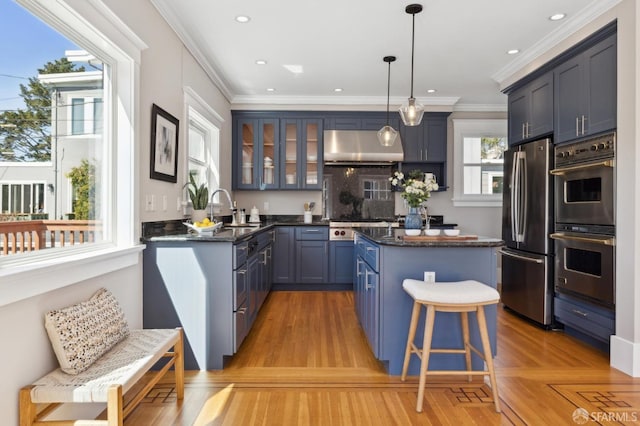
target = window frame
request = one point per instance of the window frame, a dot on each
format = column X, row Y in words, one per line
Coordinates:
column 95, row 27
column 206, row 120
column 472, row 127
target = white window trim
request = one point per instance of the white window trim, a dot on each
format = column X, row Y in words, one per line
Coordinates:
column 197, row 109
column 473, row 128
column 102, row 32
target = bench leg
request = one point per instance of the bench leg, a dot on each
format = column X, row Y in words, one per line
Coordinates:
column 179, row 365
column 114, row 406
column 28, row 412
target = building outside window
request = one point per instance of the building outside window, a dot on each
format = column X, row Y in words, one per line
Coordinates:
column 479, row 146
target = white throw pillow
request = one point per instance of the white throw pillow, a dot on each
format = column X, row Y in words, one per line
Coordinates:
column 81, row 333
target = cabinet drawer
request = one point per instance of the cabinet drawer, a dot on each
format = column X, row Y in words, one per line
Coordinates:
column 369, row 252
column 317, row 233
column 240, row 252
column 587, row 318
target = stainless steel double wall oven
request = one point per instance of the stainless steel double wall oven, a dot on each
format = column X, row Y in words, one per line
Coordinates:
column 585, row 219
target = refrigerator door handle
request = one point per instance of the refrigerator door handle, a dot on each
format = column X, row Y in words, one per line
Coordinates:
column 505, row 252
column 514, row 199
column 519, row 191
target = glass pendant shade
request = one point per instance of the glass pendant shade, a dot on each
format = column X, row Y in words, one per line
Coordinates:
column 387, row 135
column 412, row 113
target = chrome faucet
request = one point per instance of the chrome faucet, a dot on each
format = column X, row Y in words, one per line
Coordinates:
column 228, row 198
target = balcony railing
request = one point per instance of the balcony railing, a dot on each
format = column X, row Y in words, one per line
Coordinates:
column 30, row 235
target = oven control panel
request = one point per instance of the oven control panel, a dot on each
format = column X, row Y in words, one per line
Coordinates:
column 340, row 234
column 601, row 147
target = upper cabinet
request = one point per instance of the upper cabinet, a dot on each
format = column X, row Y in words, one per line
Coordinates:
column 301, row 153
column 531, row 110
column 256, row 154
column 585, row 95
column 273, row 152
column 426, row 142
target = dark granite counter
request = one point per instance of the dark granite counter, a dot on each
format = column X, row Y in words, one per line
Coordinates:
column 175, row 230
column 396, row 238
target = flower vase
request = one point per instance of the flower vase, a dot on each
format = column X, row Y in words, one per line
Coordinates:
column 413, row 220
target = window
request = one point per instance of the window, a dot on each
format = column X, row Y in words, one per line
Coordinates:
column 115, row 51
column 21, row 199
column 77, row 116
column 479, row 147
column 376, row 188
column 203, row 143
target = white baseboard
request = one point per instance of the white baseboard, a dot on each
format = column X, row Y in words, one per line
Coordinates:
column 625, row 356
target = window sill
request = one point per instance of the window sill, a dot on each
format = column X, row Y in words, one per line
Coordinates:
column 474, row 202
column 23, row 282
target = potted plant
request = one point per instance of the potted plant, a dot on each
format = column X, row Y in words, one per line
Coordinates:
column 199, row 195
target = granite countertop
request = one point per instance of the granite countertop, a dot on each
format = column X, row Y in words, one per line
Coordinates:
column 396, row 238
column 175, row 231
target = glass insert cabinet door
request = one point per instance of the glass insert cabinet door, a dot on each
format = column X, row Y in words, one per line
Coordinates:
column 301, row 153
column 259, row 159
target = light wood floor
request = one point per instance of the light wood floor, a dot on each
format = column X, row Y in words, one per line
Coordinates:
column 306, row 362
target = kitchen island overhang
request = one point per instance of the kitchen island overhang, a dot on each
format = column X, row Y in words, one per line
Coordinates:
column 384, row 259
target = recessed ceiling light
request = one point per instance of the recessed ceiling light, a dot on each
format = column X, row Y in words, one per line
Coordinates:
column 513, row 51
column 270, row 89
column 338, row 89
column 431, row 90
column 261, row 62
column 557, row 16
column 243, row 19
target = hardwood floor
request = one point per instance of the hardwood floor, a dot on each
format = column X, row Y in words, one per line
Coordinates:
column 306, row 362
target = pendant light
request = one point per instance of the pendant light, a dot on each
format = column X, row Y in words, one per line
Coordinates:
column 387, row 135
column 412, row 113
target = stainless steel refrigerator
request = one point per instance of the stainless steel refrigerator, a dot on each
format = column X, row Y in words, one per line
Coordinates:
column 527, row 221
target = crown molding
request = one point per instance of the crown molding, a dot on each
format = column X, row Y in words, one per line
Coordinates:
column 338, row 100
column 165, row 10
column 573, row 24
column 481, row 107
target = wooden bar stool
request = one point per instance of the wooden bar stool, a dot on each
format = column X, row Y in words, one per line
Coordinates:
column 463, row 297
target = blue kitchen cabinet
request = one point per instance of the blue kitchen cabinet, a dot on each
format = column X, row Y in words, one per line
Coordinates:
column 284, row 266
column 256, row 157
column 585, row 91
column 312, row 254
column 531, row 110
column 426, row 142
column 585, row 320
column 301, row 153
column 366, row 291
column 341, row 262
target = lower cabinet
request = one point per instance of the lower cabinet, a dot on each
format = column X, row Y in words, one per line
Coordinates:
column 213, row 290
column 590, row 320
column 341, row 262
column 367, row 292
column 301, row 255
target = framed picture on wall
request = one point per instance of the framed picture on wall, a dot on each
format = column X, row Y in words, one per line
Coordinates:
column 164, row 145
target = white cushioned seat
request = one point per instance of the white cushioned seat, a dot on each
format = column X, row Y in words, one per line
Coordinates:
column 460, row 292
column 124, row 364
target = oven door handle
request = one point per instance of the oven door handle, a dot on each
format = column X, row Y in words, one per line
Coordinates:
column 563, row 170
column 606, row 241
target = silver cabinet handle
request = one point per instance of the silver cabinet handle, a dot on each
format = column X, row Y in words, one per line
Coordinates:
column 582, row 314
column 583, row 118
column 242, row 311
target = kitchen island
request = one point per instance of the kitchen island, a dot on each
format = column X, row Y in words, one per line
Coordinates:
column 384, row 259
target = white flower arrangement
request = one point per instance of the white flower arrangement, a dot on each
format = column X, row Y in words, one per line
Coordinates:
column 416, row 189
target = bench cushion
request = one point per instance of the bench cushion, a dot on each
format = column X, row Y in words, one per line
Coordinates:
column 123, row 365
column 81, row 333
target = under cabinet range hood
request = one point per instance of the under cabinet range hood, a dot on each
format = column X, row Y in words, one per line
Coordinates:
column 359, row 146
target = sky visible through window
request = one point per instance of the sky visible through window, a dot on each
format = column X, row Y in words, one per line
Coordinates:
column 26, row 44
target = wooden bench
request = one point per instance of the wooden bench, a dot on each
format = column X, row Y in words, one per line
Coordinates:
column 100, row 361
column 108, row 379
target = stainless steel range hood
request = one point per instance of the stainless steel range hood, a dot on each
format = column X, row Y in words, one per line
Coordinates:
column 359, row 146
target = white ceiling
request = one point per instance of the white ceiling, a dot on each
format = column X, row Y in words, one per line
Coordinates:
column 460, row 47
